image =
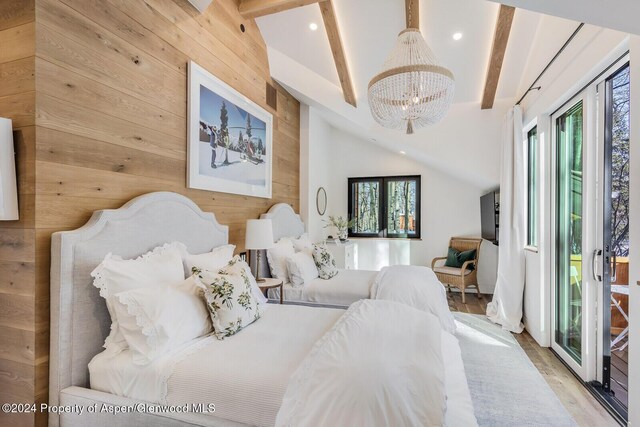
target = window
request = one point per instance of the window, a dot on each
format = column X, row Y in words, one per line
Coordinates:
column 385, row 207
column 532, row 187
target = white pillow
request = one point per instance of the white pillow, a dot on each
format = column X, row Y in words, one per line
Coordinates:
column 160, row 267
column 277, row 257
column 302, row 268
column 303, row 244
column 214, row 260
column 230, row 301
column 154, row 321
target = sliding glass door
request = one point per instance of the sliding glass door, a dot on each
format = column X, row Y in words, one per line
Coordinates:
column 568, row 310
column 613, row 336
column 590, row 231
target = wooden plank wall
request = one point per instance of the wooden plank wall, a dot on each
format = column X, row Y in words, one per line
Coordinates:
column 18, row 334
column 110, row 124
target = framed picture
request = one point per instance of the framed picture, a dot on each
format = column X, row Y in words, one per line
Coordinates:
column 230, row 138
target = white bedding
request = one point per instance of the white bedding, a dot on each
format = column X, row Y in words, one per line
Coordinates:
column 417, row 287
column 246, row 376
column 347, row 287
column 380, row 365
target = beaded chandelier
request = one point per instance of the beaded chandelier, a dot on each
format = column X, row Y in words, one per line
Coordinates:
column 412, row 90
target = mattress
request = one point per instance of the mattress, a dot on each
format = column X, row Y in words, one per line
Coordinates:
column 347, row 287
column 246, row 376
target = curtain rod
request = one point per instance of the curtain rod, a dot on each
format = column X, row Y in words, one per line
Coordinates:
column 564, row 46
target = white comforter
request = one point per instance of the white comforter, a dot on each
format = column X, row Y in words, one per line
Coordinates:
column 380, row 365
column 417, row 287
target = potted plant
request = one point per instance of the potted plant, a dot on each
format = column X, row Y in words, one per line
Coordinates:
column 341, row 224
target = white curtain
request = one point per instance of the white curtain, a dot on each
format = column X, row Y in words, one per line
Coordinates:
column 506, row 307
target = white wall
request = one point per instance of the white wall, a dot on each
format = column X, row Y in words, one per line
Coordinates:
column 450, row 207
column 314, row 154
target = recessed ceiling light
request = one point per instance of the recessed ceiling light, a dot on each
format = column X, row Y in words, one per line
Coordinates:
column 403, row 153
column 313, row 26
column 457, row 36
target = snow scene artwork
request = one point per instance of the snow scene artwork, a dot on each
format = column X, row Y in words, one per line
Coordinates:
column 230, row 138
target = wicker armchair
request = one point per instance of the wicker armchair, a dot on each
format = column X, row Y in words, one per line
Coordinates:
column 461, row 278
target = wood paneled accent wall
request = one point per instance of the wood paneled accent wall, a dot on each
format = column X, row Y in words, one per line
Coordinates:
column 20, row 338
column 110, row 122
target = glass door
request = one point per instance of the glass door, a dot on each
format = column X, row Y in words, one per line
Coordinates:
column 574, row 179
column 615, row 237
column 568, row 304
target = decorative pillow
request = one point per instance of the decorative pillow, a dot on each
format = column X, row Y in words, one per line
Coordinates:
column 214, row 260
column 154, row 321
column 235, row 266
column 303, row 244
column 160, row 267
column 325, row 262
column 302, row 268
column 229, row 298
column 456, row 258
column 277, row 257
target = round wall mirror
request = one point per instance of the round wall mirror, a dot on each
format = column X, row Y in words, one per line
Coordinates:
column 321, row 201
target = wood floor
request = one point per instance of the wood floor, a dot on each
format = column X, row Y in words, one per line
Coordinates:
column 584, row 408
column 620, row 373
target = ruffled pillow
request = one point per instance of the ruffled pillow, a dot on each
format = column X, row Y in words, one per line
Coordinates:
column 229, row 298
column 303, row 244
column 277, row 257
column 154, row 321
column 160, row 267
column 325, row 262
column 214, row 260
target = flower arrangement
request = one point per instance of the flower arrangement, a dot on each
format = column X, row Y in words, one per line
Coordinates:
column 341, row 224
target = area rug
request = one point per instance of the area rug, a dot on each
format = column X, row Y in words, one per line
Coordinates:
column 506, row 388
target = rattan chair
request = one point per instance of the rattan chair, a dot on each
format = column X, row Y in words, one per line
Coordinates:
column 460, row 278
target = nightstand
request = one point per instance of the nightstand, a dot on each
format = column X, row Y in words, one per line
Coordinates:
column 271, row 283
column 343, row 254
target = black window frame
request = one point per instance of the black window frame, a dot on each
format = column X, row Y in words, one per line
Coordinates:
column 382, row 209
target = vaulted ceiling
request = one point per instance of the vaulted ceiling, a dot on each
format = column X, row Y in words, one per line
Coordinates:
column 301, row 60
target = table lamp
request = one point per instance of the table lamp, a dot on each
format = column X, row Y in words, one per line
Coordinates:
column 259, row 236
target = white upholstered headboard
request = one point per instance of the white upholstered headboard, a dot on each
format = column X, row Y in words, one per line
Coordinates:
column 286, row 222
column 79, row 318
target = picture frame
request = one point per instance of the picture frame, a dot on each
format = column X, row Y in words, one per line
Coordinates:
column 230, row 138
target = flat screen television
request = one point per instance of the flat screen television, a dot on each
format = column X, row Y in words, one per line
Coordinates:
column 489, row 216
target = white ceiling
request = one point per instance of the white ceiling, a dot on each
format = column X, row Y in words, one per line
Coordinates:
column 369, row 37
column 621, row 15
column 301, row 60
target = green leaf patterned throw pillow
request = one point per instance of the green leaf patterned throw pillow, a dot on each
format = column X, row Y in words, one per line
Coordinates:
column 325, row 262
column 227, row 292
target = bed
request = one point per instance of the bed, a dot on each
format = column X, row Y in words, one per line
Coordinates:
column 342, row 290
column 253, row 369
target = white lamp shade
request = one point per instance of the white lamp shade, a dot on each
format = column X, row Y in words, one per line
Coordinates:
column 8, row 187
column 259, row 234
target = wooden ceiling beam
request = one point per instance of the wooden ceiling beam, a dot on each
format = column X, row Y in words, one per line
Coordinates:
column 255, row 8
column 339, row 57
column 412, row 13
column 500, row 39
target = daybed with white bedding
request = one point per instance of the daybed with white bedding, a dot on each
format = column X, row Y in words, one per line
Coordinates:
column 271, row 372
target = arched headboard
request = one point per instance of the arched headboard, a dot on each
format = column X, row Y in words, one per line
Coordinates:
column 286, row 222
column 79, row 318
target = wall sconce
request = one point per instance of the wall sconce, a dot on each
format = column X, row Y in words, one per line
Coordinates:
column 8, row 184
